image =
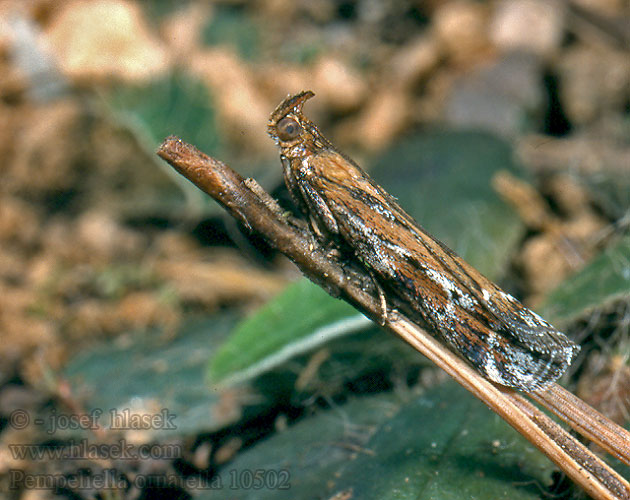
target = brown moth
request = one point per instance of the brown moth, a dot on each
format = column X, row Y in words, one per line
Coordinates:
column 505, row 341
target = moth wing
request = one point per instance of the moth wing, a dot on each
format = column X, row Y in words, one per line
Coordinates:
column 503, row 339
column 509, row 343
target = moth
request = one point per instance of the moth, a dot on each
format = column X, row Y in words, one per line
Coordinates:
column 505, row 341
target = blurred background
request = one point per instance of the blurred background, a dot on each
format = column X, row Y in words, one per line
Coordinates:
column 502, row 126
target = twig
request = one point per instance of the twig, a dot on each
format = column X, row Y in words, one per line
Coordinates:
column 586, row 420
column 256, row 210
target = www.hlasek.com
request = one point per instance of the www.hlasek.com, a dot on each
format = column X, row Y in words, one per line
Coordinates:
column 84, row 450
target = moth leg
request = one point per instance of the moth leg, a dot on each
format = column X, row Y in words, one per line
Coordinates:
column 315, row 227
column 381, row 295
column 319, row 211
column 292, row 185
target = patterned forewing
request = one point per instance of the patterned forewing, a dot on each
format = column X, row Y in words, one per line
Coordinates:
column 503, row 339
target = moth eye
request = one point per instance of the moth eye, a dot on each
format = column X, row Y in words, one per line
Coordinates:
column 288, row 129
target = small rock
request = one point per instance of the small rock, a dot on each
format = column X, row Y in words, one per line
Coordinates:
column 105, row 38
column 531, row 25
column 500, row 98
column 461, row 27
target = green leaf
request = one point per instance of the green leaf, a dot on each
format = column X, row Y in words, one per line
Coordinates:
column 602, row 283
column 308, row 453
column 176, row 104
column 443, row 179
column 446, row 445
column 299, row 319
column 147, row 371
column 443, row 445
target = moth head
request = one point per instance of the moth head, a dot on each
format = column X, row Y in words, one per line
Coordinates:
column 291, row 130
